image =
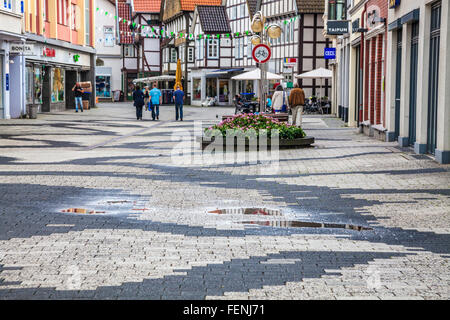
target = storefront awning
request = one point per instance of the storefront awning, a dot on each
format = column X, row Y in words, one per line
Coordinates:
column 222, row 72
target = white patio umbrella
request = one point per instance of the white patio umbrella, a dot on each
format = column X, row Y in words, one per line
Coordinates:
column 255, row 74
column 320, row 73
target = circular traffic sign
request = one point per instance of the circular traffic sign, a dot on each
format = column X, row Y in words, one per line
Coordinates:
column 261, row 53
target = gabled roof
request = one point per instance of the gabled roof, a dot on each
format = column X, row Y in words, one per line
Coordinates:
column 311, row 6
column 189, row 5
column 152, row 6
column 124, row 13
column 213, row 19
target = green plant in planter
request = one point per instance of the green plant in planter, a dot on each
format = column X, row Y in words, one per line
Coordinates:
column 254, row 125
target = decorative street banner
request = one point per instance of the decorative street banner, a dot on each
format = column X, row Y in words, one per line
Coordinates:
column 261, row 53
column 330, row 53
column 337, row 27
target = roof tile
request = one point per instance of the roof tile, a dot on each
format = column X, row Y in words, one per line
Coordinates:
column 147, row 5
column 214, row 19
column 189, row 5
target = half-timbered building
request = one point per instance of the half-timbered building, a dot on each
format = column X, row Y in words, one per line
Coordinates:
column 139, row 30
column 177, row 16
column 210, row 77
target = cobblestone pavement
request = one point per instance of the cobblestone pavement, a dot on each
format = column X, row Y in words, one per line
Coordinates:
column 152, row 237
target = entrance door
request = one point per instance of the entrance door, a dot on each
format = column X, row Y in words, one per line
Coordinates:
column 71, row 79
column 433, row 77
column 413, row 83
column 46, row 89
column 398, row 82
column 224, row 92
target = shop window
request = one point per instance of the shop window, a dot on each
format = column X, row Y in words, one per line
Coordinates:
column 337, row 10
column 38, row 78
column 223, row 91
column 57, row 84
column 211, row 87
column 103, row 86
column 197, row 88
column 34, row 85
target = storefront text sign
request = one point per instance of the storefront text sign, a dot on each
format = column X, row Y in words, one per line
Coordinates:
column 330, row 53
column 394, row 3
column 290, row 61
column 261, row 53
column 26, row 49
column 49, row 52
column 337, row 27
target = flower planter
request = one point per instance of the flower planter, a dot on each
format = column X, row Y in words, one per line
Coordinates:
column 282, row 117
column 283, row 143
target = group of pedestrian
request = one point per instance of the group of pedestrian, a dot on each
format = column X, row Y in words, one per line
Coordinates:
column 152, row 100
column 296, row 100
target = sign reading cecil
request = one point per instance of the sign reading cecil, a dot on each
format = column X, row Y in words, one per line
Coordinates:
column 261, row 53
column 337, row 27
column 330, row 53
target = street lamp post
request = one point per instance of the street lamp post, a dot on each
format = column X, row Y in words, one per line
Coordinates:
column 261, row 35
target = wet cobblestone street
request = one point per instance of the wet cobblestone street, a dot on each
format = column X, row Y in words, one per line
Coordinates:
column 148, row 232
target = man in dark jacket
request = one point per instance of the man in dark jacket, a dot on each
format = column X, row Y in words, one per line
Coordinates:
column 78, row 96
column 138, row 97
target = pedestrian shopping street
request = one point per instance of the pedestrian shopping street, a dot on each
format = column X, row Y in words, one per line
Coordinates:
column 158, row 225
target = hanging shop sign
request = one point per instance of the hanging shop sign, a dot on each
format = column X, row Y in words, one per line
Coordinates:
column 290, row 61
column 337, row 27
column 394, row 4
column 330, row 53
column 261, row 53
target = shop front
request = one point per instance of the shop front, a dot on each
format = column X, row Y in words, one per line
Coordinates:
column 103, row 76
column 51, row 73
column 215, row 84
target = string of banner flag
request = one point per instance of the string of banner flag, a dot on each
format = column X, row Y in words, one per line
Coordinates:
column 152, row 32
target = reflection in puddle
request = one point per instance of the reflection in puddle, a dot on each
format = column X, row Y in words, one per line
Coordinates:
column 301, row 224
column 81, row 210
column 255, row 211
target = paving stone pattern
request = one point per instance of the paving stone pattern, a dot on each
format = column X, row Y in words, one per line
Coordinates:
column 153, row 238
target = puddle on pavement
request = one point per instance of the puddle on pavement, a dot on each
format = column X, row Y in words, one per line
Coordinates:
column 254, row 211
column 280, row 223
column 302, row 224
column 81, row 210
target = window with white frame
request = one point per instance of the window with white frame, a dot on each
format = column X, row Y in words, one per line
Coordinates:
column 292, row 31
column 213, row 49
column 87, row 21
column 108, row 34
column 200, row 49
column 242, row 10
column 190, row 54
column 173, row 55
column 249, row 47
column 128, row 51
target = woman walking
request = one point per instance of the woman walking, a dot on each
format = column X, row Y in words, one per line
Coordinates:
column 279, row 100
column 138, row 97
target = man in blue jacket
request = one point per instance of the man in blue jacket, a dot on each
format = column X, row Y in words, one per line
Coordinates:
column 156, row 97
